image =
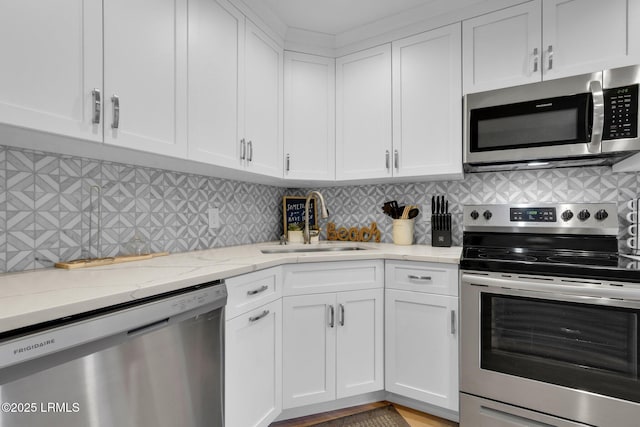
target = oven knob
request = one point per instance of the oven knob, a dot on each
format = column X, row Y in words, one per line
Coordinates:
column 474, row 214
column 601, row 215
column 566, row 215
column 487, row 215
column 583, row 215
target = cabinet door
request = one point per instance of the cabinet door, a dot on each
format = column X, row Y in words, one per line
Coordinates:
column 145, row 69
column 582, row 36
column 427, row 100
column 421, row 347
column 360, row 338
column 502, row 49
column 216, row 42
column 309, row 348
column 363, row 114
column 253, row 367
column 263, row 102
column 51, row 63
column 309, row 116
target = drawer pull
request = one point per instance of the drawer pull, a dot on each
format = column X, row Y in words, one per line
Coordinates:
column 259, row 316
column 414, row 277
column 341, row 315
column 257, row 291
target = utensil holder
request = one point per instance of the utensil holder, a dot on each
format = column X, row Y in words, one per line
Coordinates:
column 402, row 231
column 441, row 230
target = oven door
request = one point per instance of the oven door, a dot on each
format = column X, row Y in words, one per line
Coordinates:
column 555, row 346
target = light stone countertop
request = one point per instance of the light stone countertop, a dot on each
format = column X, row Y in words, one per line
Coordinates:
column 33, row 297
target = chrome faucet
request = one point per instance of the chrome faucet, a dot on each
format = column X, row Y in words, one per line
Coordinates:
column 323, row 209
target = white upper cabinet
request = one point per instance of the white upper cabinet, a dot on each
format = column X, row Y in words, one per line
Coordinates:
column 502, row 48
column 427, row 101
column 145, row 75
column 51, row 63
column 309, row 117
column 363, row 114
column 551, row 39
column 216, row 55
column 235, row 90
column 582, row 36
column 262, row 147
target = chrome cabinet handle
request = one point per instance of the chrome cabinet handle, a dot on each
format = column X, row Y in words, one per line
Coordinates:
column 453, row 322
column 550, row 57
column 414, row 277
column 257, row 291
column 243, row 150
column 341, row 315
column 250, row 155
column 288, row 163
column 396, row 159
column 535, row 59
column 332, row 317
column 95, row 96
column 259, row 316
column 115, row 100
column 595, row 146
column 386, row 159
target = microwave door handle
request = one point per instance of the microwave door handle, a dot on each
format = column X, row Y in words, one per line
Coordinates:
column 595, row 146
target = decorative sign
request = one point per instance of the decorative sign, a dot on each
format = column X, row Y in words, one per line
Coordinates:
column 353, row 234
column 293, row 212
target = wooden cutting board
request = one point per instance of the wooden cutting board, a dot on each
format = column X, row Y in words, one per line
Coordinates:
column 95, row 262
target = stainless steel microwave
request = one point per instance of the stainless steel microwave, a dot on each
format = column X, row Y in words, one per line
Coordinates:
column 590, row 119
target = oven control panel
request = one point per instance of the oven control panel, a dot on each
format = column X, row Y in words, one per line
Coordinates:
column 567, row 218
column 533, row 214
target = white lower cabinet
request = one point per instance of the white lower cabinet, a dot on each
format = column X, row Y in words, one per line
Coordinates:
column 332, row 341
column 333, row 346
column 308, row 356
column 421, row 333
column 253, row 355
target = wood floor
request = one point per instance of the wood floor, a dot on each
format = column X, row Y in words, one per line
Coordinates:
column 413, row 418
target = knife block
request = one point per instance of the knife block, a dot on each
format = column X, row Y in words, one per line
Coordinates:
column 441, row 230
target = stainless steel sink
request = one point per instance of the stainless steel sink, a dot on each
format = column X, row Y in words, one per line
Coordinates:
column 285, row 250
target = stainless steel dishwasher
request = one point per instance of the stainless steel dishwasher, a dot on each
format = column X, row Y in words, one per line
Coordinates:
column 157, row 361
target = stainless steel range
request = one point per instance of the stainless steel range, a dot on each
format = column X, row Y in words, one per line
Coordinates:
column 550, row 318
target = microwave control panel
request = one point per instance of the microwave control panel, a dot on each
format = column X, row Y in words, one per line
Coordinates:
column 621, row 112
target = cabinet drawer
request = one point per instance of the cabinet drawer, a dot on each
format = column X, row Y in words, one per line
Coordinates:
column 434, row 278
column 252, row 290
column 337, row 276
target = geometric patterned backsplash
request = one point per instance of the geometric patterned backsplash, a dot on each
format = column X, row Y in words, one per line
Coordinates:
column 46, row 210
column 360, row 205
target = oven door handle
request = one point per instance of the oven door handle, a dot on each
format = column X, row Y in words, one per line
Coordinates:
column 582, row 292
column 595, row 146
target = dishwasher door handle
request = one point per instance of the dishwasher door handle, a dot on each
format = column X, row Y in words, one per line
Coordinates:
column 148, row 328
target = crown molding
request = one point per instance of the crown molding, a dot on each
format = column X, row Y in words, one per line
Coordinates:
column 435, row 14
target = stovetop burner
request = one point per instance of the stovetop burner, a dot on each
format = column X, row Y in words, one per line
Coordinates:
column 544, row 257
column 504, row 256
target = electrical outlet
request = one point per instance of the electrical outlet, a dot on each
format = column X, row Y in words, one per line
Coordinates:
column 214, row 218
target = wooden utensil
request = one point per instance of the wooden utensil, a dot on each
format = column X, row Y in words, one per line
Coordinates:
column 96, row 262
